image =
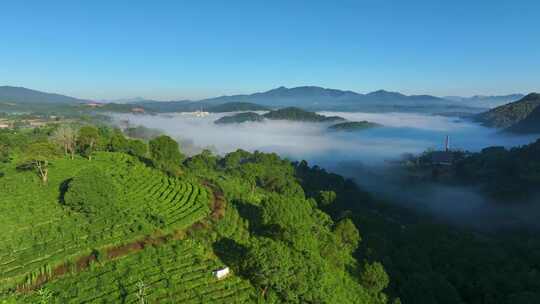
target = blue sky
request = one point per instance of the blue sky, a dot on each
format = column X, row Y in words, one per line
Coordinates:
column 194, row 49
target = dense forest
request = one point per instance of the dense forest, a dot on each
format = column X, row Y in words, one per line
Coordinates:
column 156, row 223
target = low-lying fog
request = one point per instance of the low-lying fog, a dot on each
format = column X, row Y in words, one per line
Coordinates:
column 359, row 154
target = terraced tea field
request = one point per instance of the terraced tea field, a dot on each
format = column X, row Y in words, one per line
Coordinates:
column 39, row 233
column 178, row 272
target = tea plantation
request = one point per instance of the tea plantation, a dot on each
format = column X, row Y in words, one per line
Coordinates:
column 39, row 233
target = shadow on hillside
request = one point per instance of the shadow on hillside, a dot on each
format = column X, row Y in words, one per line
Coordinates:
column 63, row 188
column 230, row 252
column 250, row 212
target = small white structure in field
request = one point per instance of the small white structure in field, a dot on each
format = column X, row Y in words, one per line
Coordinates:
column 221, row 273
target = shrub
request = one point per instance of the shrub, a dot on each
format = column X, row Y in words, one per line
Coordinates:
column 91, row 192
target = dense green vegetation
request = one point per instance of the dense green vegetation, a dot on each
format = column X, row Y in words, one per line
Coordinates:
column 139, row 222
column 507, row 175
column 530, row 124
column 431, row 262
column 76, row 212
column 236, row 107
column 291, row 114
column 240, row 118
column 353, row 126
column 297, row 114
column 510, row 114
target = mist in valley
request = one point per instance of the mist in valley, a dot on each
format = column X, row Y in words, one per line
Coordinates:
column 363, row 156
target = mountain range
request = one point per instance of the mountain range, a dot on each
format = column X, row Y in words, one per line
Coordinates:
column 307, row 97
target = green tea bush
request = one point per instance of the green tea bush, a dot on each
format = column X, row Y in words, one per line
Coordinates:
column 91, row 192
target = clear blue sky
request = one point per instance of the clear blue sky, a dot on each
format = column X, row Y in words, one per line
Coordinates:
column 193, row 49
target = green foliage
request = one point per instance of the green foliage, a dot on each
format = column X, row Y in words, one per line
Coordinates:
column 91, row 192
column 239, row 118
column 118, row 143
column 373, row 277
column 45, row 234
column 347, row 234
column 353, row 126
column 166, row 153
column 506, row 175
column 4, row 153
column 179, row 271
column 236, row 107
column 87, row 140
column 137, row 148
column 326, row 198
column 45, row 296
column 284, row 274
column 37, row 156
column 297, row 114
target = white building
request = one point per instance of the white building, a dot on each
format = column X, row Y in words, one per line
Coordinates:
column 221, row 273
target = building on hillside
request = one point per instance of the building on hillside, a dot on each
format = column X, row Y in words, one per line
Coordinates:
column 94, row 105
column 221, row 273
column 137, row 110
column 444, row 158
column 4, row 125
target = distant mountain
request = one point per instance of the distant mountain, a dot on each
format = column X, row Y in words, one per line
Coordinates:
column 510, row 115
column 20, row 95
column 484, row 101
column 307, row 97
column 317, row 98
column 236, row 107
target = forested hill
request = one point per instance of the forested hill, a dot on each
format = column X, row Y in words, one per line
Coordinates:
column 511, row 114
column 505, row 174
column 290, row 114
column 9, row 94
column 236, row 107
column 91, row 216
column 297, row 114
column 530, row 124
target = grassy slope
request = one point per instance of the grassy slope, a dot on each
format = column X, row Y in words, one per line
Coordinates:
column 39, row 233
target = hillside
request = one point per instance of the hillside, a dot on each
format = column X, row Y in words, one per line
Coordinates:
column 240, row 118
column 9, row 94
column 297, row 114
column 127, row 221
column 290, row 114
column 510, row 114
column 530, row 124
column 485, row 101
column 236, row 107
column 353, row 126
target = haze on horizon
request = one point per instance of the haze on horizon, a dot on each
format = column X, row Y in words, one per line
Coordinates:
column 173, row 50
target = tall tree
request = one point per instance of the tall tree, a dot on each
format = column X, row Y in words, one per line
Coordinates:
column 166, row 154
column 38, row 156
column 87, row 140
column 66, row 137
